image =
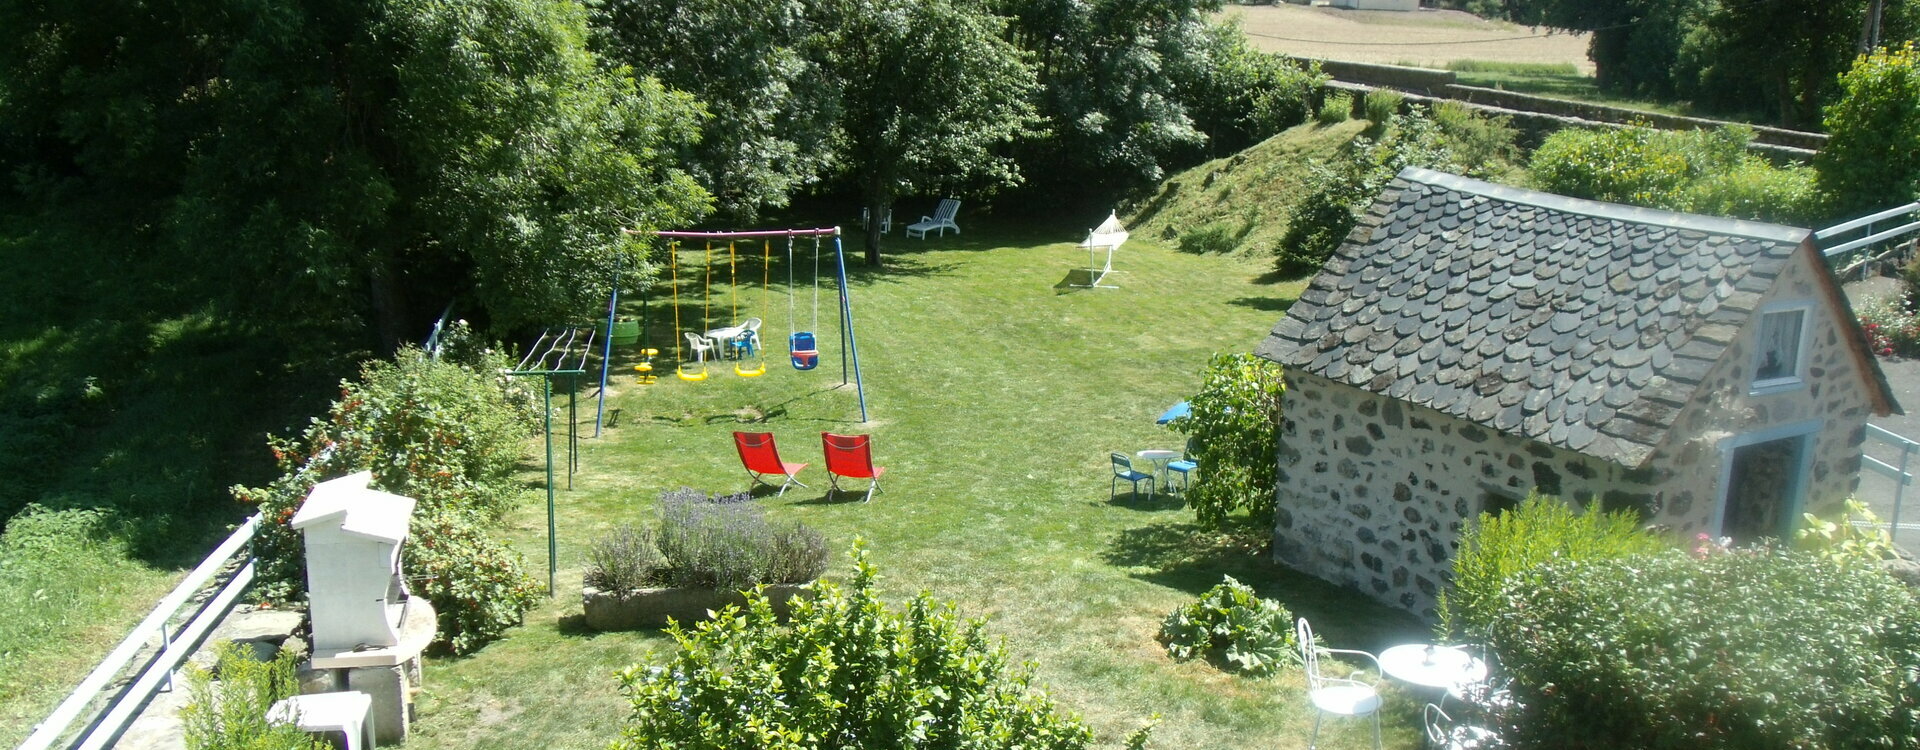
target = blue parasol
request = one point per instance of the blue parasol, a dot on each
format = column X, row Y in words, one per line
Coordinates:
column 1174, row 412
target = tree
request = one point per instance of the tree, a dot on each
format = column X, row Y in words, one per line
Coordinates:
column 1781, row 56
column 927, row 94
column 1872, row 160
column 768, row 132
column 321, row 164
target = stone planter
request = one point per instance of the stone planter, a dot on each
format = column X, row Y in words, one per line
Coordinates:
column 650, row 608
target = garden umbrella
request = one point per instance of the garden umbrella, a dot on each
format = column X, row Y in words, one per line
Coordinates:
column 1174, row 412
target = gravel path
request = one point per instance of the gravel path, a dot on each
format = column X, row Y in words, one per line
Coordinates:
column 1425, row 37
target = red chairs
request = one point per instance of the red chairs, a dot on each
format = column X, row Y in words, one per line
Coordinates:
column 760, row 457
column 851, row 456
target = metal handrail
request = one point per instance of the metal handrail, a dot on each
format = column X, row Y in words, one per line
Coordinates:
column 1901, row 475
column 175, row 648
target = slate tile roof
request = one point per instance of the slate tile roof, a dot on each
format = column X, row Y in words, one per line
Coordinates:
column 1580, row 324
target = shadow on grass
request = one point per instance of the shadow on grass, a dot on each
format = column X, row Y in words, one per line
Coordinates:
column 836, row 497
column 1158, row 501
column 575, row 626
column 1268, row 304
column 1192, row 557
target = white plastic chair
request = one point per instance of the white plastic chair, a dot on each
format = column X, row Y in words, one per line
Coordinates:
column 886, row 222
column 752, row 334
column 1344, row 696
column 942, row 219
column 700, row 345
column 1443, row 733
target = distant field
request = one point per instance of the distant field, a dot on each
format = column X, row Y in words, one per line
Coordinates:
column 1430, row 38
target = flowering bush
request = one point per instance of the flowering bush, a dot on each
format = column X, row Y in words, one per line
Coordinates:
column 1892, row 328
column 1742, row 648
column 446, row 433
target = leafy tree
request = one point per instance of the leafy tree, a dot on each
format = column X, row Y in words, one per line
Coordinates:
column 1872, row 160
column 927, row 94
column 1235, row 438
column 317, row 164
column 1781, row 56
column 768, row 131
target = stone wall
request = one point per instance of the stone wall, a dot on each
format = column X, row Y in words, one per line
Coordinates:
column 1373, row 492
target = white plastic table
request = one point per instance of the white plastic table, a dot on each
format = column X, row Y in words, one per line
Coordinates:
column 1432, row 666
column 344, row 712
column 723, row 336
column 1159, row 459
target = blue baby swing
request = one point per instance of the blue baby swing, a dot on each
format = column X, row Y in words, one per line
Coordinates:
column 803, row 350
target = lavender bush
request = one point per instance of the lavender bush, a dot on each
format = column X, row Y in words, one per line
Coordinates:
column 707, row 541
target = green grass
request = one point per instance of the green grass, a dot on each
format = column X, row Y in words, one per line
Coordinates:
column 995, row 394
column 1248, row 193
column 1558, row 81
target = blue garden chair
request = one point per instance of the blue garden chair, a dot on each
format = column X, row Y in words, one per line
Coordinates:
column 1185, row 465
column 1123, row 469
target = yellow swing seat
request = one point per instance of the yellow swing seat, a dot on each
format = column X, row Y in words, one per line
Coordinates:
column 759, row 368
column 691, row 376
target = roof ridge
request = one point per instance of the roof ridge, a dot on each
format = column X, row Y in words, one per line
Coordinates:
column 1603, row 210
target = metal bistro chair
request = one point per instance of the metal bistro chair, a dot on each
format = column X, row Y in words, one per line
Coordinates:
column 1123, row 469
column 1443, row 733
column 1345, row 696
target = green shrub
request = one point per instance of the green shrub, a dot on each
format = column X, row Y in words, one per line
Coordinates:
column 847, row 672
column 1336, row 193
column 1753, row 189
column 1234, row 626
column 1746, row 649
column 707, row 541
column 1872, row 159
column 448, row 434
column 1381, row 106
column 1483, row 146
column 1495, row 548
column 230, row 713
column 1243, row 95
column 1335, row 109
column 1701, row 171
column 1215, row 238
column 1234, row 438
column 1854, row 536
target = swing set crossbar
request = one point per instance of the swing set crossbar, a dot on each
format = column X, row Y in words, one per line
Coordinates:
column 828, row 231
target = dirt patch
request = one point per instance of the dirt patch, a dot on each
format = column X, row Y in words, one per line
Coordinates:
column 1427, row 37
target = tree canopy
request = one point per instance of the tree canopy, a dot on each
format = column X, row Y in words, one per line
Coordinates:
column 323, row 164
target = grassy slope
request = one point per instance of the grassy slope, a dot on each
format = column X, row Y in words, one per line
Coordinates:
column 125, row 396
column 995, row 396
column 1249, row 192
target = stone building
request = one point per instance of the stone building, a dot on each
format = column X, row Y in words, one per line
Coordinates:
column 1472, row 342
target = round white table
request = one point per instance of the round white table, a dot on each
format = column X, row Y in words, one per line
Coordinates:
column 1159, row 459
column 1432, row 666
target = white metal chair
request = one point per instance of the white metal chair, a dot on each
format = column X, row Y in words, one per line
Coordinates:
column 1443, row 733
column 886, row 222
column 942, row 219
column 1345, row 696
column 701, row 345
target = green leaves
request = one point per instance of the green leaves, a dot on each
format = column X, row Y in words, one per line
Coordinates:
column 1234, row 426
column 1872, row 160
column 847, row 672
column 1702, row 171
column 1235, row 626
column 1741, row 649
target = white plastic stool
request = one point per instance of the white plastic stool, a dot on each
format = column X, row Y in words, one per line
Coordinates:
column 345, row 713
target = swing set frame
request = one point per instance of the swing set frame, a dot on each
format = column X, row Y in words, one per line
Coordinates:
column 849, row 342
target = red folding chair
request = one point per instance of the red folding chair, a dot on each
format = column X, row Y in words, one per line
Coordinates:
column 851, row 456
column 760, row 457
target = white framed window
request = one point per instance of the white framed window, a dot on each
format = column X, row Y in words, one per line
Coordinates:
column 1780, row 347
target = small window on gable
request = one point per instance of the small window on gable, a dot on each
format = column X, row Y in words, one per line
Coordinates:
column 1779, row 349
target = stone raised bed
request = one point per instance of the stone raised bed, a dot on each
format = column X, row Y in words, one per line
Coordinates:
column 650, row 608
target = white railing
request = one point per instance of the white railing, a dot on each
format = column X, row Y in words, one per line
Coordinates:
column 1870, row 238
column 174, row 647
column 1900, row 472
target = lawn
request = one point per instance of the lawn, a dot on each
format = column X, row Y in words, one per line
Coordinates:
column 995, row 395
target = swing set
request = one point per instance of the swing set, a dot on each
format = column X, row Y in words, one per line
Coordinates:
column 802, row 345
